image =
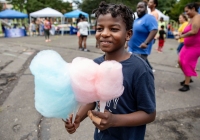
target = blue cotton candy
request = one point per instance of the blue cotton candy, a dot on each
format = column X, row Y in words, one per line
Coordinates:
column 54, row 96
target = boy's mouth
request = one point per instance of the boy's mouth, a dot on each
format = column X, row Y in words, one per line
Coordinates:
column 105, row 42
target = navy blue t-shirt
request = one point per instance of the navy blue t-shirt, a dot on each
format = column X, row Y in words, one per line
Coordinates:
column 138, row 95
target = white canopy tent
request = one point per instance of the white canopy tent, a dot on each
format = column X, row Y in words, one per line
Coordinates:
column 166, row 18
column 47, row 12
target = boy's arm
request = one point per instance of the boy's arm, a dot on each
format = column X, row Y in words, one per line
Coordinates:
column 83, row 110
column 80, row 116
column 144, row 95
column 123, row 120
column 134, row 119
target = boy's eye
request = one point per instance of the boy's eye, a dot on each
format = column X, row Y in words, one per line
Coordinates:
column 114, row 29
column 99, row 29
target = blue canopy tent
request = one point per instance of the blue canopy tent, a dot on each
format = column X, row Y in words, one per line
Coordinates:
column 12, row 14
column 75, row 14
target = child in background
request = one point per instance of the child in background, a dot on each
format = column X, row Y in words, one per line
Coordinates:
column 33, row 28
column 161, row 38
column 125, row 118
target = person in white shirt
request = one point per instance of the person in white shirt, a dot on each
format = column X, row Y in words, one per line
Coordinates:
column 152, row 4
column 83, row 29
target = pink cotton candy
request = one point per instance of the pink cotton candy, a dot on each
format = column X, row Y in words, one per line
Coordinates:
column 109, row 81
column 83, row 73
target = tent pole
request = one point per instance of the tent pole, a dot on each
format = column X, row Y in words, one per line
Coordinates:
column 63, row 24
column 89, row 24
column 29, row 25
column 62, row 27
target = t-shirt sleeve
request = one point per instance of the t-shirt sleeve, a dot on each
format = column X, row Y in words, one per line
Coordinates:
column 151, row 23
column 145, row 93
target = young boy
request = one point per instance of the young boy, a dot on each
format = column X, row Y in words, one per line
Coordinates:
column 161, row 38
column 125, row 118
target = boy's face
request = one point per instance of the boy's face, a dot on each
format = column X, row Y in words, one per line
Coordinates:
column 111, row 33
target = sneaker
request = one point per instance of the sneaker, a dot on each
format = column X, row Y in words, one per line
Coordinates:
column 49, row 40
column 81, row 49
column 183, row 82
column 177, row 66
column 153, row 70
column 185, row 88
column 86, row 50
column 46, row 40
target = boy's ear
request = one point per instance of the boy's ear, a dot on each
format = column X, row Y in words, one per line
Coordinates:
column 129, row 33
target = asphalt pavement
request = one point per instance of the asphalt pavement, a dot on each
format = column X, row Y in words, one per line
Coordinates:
column 178, row 113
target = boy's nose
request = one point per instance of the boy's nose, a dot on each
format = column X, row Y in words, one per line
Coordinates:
column 105, row 33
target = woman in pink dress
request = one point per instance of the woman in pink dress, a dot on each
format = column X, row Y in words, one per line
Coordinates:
column 191, row 50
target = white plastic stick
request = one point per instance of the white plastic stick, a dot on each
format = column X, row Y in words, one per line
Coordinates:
column 102, row 108
column 75, row 111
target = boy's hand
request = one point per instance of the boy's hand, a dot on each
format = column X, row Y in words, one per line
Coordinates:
column 71, row 128
column 143, row 46
column 106, row 119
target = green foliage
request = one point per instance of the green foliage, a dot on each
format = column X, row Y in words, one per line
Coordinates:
column 166, row 5
column 34, row 5
column 163, row 5
column 172, row 8
column 1, row 6
column 178, row 8
column 89, row 5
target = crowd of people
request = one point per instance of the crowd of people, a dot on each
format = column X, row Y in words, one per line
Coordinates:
column 189, row 49
column 41, row 26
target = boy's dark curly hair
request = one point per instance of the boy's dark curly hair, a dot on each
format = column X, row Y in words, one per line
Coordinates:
column 116, row 10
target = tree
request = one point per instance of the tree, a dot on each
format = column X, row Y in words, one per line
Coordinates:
column 169, row 7
column 166, row 6
column 89, row 5
column 34, row 5
column 1, row 6
column 178, row 8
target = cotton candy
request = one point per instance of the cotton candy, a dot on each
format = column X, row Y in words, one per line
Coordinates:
column 109, row 82
column 54, row 96
column 83, row 72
